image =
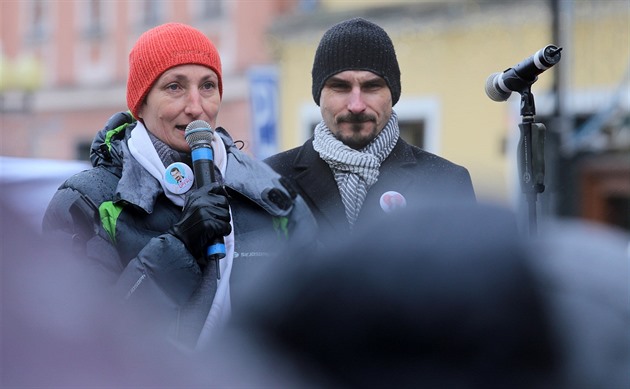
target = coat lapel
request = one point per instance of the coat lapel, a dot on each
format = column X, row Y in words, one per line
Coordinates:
column 320, row 190
column 318, row 186
column 397, row 173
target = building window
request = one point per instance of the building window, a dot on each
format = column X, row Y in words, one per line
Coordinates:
column 419, row 122
column 94, row 19
column 38, row 20
column 94, row 62
column 308, row 5
column 82, row 150
column 151, row 12
column 412, row 131
column 212, row 9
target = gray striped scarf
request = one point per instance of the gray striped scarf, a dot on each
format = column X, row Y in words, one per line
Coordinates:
column 355, row 170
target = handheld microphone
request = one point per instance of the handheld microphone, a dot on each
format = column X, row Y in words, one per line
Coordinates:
column 199, row 137
column 499, row 86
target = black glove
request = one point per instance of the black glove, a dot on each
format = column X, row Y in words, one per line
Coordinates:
column 206, row 216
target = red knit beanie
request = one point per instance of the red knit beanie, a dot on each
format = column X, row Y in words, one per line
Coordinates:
column 162, row 48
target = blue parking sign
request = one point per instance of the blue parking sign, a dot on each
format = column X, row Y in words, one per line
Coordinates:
column 263, row 88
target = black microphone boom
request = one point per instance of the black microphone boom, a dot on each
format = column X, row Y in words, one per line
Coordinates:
column 531, row 161
column 499, row 86
column 199, row 137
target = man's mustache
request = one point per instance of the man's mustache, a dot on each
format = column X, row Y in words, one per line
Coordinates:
column 358, row 118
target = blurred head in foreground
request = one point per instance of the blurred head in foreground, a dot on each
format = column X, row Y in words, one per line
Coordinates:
column 58, row 328
column 446, row 295
column 441, row 296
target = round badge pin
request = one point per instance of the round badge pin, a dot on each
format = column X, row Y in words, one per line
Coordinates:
column 178, row 178
column 391, row 201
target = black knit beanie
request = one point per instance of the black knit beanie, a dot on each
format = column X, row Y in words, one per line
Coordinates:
column 356, row 44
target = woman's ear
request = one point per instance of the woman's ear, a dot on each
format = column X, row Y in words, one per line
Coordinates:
column 140, row 110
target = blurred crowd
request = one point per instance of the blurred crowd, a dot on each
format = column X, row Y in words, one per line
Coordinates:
column 442, row 296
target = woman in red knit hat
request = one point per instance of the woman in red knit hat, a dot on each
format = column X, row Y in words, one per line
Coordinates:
column 139, row 214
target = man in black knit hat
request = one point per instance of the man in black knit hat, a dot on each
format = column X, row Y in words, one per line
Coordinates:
column 356, row 166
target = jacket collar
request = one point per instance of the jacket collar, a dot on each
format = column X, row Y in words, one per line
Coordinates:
column 255, row 180
column 137, row 186
column 258, row 182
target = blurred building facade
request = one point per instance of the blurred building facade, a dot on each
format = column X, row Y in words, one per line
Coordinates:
column 63, row 73
column 64, row 64
column 447, row 50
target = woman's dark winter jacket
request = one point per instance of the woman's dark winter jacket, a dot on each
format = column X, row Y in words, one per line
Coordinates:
column 118, row 216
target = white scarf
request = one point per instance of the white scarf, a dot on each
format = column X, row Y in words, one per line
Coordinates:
column 355, row 170
column 143, row 150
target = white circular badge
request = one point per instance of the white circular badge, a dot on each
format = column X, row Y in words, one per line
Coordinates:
column 391, row 201
column 178, row 178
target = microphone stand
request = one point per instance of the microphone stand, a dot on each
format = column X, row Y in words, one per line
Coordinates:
column 531, row 158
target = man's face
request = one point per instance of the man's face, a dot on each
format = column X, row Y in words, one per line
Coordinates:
column 180, row 95
column 356, row 105
column 176, row 175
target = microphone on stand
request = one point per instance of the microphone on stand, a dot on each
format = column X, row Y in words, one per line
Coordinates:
column 499, row 86
column 530, row 155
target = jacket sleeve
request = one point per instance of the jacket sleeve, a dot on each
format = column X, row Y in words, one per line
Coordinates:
column 302, row 226
column 163, row 271
column 465, row 183
column 163, row 268
column 72, row 216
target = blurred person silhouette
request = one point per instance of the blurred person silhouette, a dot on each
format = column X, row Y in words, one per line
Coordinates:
column 584, row 272
column 149, row 235
column 57, row 328
column 448, row 295
column 445, row 295
column 356, row 163
column 435, row 296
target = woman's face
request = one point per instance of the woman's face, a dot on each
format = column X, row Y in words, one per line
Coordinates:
column 180, row 95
